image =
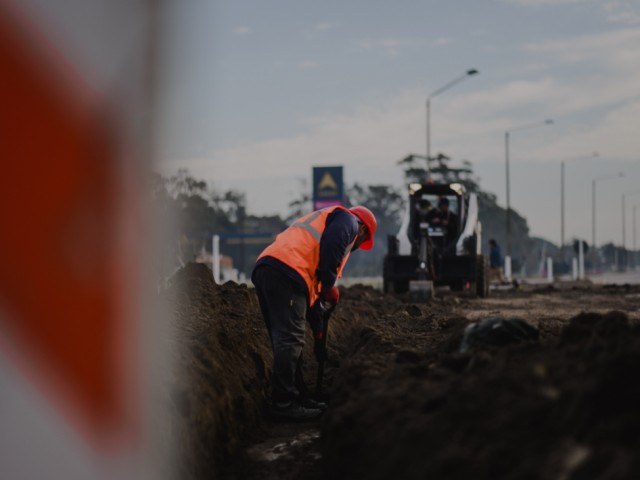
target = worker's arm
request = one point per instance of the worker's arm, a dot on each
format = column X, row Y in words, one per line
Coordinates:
column 338, row 236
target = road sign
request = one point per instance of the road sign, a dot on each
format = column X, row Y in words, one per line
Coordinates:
column 328, row 187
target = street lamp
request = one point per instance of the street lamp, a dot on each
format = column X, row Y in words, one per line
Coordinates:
column 506, row 149
column 468, row 73
column 624, row 218
column 582, row 157
column 593, row 204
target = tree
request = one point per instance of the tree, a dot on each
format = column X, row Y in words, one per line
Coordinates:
column 387, row 204
column 184, row 184
column 200, row 212
column 439, row 171
column 491, row 215
column 233, row 204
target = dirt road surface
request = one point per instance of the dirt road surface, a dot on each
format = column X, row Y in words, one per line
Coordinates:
column 404, row 401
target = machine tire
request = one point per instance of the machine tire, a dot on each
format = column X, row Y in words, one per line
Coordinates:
column 471, row 244
column 386, row 283
column 482, row 276
column 401, row 286
column 391, row 286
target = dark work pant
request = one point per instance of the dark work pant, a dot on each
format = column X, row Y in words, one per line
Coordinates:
column 284, row 305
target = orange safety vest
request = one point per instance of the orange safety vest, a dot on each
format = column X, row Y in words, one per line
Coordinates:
column 299, row 248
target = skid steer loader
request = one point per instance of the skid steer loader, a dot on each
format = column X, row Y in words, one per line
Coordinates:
column 426, row 254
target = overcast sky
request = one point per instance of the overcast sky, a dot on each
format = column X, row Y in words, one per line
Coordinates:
column 257, row 92
column 261, row 91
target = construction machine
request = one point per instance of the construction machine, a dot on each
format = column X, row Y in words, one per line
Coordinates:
column 430, row 252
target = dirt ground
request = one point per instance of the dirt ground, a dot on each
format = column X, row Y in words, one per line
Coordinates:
column 404, row 402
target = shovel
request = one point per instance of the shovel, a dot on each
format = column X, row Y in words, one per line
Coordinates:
column 325, row 328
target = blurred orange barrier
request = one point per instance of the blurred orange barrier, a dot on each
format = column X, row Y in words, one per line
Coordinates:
column 62, row 270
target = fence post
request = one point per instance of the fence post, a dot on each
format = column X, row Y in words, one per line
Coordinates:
column 215, row 258
column 507, row 268
column 580, row 260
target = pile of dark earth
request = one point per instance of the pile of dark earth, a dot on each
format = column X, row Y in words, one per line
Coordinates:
column 405, row 402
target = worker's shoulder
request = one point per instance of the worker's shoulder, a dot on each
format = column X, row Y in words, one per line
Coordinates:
column 344, row 215
column 342, row 218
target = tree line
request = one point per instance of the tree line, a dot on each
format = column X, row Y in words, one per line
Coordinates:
column 202, row 211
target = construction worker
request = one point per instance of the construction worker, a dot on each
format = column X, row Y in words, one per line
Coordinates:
column 295, row 280
column 445, row 218
column 442, row 215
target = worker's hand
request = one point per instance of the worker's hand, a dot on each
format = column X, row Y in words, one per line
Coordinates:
column 319, row 347
column 316, row 315
column 332, row 295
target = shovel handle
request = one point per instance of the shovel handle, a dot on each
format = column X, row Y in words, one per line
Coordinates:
column 325, row 329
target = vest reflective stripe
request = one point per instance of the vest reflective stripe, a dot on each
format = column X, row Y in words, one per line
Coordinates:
column 306, row 225
column 299, row 248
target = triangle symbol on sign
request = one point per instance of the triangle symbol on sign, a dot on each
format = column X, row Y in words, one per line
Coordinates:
column 327, row 182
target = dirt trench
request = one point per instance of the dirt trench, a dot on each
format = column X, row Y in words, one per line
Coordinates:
column 405, row 403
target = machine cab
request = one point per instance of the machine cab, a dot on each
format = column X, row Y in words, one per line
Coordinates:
column 437, row 246
column 437, row 211
column 437, row 214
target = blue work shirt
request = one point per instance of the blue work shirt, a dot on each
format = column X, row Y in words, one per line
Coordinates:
column 495, row 257
column 340, row 231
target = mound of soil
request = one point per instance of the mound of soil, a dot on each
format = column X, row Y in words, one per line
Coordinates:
column 220, row 390
column 405, row 403
column 565, row 407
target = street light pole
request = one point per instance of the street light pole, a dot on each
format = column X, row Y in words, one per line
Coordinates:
column 593, row 204
column 428, row 134
column 506, row 155
column 624, row 221
column 562, row 210
column 593, row 215
column 468, row 73
column 635, row 251
column 562, row 205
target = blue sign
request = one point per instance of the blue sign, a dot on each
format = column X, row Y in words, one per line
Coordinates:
column 328, row 187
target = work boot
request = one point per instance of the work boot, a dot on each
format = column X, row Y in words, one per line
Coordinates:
column 294, row 412
column 313, row 404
